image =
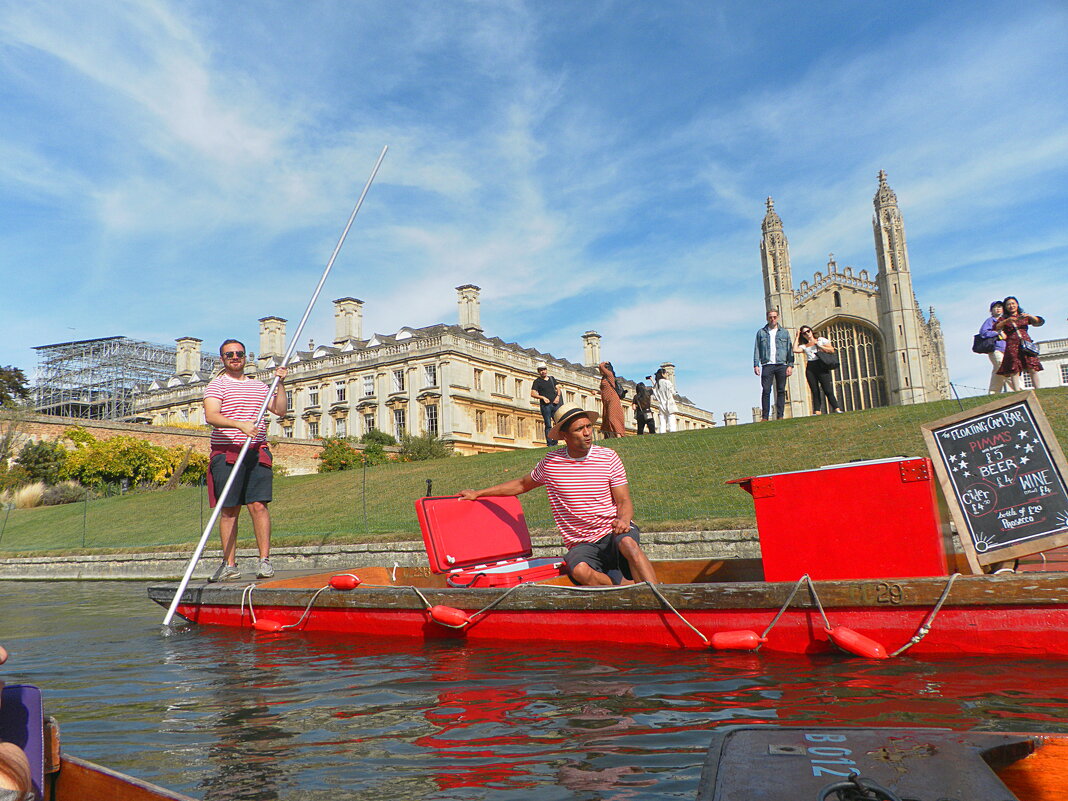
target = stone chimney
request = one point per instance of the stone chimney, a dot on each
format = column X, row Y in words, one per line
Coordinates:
column 272, row 338
column 591, row 349
column 467, row 300
column 669, row 373
column 187, row 360
column 348, row 320
column 730, row 418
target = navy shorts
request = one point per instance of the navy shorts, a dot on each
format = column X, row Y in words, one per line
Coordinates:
column 252, row 485
column 603, row 555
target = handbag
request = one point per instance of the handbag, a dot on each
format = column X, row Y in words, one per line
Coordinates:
column 1028, row 348
column 981, row 344
column 828, row 360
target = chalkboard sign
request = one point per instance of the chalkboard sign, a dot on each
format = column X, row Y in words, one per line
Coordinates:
column 1003, row 474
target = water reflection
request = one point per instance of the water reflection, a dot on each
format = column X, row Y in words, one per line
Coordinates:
column 231, row 715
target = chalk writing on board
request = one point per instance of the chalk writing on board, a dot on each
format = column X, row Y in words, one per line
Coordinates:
column 1004, row 477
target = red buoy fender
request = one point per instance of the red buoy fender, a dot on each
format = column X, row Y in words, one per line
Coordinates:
column 345, row 581
column 737, row 640
column 856, row 643
column 449, row 616
column 266, row 624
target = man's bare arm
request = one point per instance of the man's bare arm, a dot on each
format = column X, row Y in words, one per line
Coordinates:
column 516, row 486
column 214, row 417
column 624, row 508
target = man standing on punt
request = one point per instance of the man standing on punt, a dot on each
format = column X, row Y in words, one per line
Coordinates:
column 589, row 499
column 231, row 402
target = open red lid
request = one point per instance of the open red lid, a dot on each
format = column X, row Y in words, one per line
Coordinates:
column 459, row 533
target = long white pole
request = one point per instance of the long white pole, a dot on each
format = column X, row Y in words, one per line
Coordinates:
column 263, row 406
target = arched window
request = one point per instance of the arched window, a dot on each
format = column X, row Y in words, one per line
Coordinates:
column 837, row 299
column 860, row 382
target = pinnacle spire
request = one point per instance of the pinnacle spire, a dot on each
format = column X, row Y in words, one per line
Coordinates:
column 772, row 222
column 884, row 196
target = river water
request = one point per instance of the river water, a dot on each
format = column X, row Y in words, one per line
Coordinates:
column 222, row 714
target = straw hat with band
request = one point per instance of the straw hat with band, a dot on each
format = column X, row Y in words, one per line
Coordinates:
column 563, row 416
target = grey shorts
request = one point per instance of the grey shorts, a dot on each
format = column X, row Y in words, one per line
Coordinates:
column 253, row 484
column 603, row 555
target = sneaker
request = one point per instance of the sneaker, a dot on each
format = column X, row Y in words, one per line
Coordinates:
column 226, row 573
column 266, row 570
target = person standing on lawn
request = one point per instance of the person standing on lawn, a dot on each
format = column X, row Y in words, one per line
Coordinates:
column 231, row 403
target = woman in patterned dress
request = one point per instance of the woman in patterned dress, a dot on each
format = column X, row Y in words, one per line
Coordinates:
column 1014, row 323
column 612, row 424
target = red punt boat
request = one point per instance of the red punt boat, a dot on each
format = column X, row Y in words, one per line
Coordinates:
column 483, row 584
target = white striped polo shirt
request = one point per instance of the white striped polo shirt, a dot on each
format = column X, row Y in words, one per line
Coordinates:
column 240, row 400
column 580, row 491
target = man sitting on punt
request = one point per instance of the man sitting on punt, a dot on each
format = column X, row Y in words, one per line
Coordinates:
column 590, row 502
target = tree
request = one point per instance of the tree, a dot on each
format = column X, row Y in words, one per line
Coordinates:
column 43, row 461
column 13, row 386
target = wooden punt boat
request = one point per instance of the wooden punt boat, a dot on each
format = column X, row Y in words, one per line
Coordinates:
column 57, row 776
column 769, row 763
column 1011, row 614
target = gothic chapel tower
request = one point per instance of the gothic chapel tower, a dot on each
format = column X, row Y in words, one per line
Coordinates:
column 779, row 294
column 898, row 313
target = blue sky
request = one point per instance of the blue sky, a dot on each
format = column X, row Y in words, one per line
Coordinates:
column 182, row 169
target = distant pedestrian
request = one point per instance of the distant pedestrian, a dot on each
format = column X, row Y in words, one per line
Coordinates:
column 231, row 402
column 773, row 361
column 643, row 409
column 817, row 374
column 547, row 392
column 664, row 395
column 612, row 424
column 1017, row 360
column 988, row 330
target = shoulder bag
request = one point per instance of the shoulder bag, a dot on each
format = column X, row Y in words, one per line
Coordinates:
column 981, row 344
column 828, row 360
column 1028, row 348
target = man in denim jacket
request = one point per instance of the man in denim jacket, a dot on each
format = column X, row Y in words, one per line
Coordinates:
column 773, row 361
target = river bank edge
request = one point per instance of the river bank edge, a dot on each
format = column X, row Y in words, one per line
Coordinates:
column 171, row 565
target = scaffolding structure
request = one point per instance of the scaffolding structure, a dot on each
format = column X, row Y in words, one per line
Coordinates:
column 95, row 378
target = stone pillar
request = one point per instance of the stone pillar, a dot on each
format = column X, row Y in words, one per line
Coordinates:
column 467, row 298
column 756, row 413
column 730, row 418
column 272, row 338
column 187, row 360
column 348, row 320
column 591, row 349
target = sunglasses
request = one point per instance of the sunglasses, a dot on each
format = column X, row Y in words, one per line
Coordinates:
column 234, row 354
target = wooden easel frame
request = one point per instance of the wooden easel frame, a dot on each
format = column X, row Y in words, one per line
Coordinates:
column 976, row 560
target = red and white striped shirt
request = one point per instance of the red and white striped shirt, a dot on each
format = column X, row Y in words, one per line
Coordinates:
column 240, row 400
column 580, row 491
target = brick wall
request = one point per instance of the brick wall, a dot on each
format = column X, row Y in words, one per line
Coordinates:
column 295, row 456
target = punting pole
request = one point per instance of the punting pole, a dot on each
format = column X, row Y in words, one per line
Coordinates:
column 263, row 406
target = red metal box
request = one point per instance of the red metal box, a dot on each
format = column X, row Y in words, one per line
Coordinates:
column 877, row 519
column 483, row 543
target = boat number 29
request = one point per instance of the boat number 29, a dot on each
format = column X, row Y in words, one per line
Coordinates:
column 823, row 757
column 886, row 593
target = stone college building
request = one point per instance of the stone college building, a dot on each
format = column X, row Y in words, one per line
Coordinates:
column 448, row 380
column 890, row 353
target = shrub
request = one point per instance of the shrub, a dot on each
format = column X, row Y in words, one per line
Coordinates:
column 423, row 447
column 338, row 454
column 29, row 497
column 64, row 492
column 376, row 437
column 375, row 453
column 43, row 461
column 12, row 476
column 115, row 460
column 171, row 459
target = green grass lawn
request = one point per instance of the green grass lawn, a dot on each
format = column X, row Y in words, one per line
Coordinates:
column 677, row 480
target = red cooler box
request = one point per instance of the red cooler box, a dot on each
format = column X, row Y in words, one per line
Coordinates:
column 877, row 519
column 483, row 543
